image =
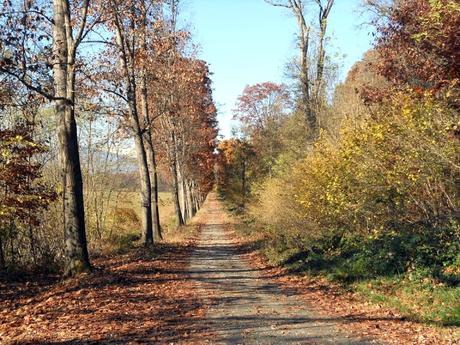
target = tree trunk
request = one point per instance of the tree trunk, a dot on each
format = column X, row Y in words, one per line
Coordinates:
column 179, row 218
column 188, row 205
column 146, row 189
column 177, row 181
column 2, row 256
column 183, row 199
column 32, row 242
column 304, row 76
column 243, row 185
column 321, row 59
column 130, row 80
column 305, row 105
column 151, row 231
column 181, row 190
column 144, row 174
column 198, row 199
column 188, row 200
column 72, row 195
column 318, row 97
column 148, row 140
column 193, row 198
column 154, row 182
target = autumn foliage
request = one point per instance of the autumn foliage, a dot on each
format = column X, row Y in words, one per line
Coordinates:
column 419, row 47
column 376, row 196
column 24, row 195
column 95, row 76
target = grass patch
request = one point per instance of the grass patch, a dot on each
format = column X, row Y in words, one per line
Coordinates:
column 123, row 243
column 121, row 230
column 421, row 295
column 182, row 233
column 415, row 296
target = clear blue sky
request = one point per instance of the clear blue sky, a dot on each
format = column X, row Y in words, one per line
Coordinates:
column 248, row 41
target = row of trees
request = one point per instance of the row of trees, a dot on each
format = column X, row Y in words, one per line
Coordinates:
column 376, row 192
column 122, row 67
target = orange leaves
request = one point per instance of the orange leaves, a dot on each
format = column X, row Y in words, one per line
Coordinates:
column 23, row 192
column 126, row 300
column 186, row 126
column 419, row 45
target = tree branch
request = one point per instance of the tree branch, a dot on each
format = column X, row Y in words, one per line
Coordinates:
column 279, row 4
column 36, row 89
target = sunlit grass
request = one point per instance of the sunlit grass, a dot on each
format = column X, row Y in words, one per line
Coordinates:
column 122, row 222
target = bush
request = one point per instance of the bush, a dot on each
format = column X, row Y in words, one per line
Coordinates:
column 381, row 201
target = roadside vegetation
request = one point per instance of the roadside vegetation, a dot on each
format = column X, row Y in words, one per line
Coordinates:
column 368, row 193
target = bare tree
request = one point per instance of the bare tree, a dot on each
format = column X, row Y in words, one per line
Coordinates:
column 126, row 25
column 311, row 86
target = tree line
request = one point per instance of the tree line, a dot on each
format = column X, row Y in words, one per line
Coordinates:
column 358, row 179
column 98, row 73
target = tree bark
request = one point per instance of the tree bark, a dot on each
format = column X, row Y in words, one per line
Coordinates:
column 321, row 59
column 2, row 256
column 318, row 96
column 148, row 140
column 305, row 104
column 323, row 17
column 157, row 233
column 243, row 185
column 183, row 202
column 179, row 218
column 193, row 198
column 72, row 195
column 190, row 200
column 145, row 158
column 144, row 175
column 188, row 208
column 177, row 207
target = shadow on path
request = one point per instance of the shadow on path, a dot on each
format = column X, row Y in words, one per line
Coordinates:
column 159, row 298
column 246, row 308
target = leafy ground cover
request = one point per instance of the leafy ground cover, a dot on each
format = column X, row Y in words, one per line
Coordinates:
column 142, row 296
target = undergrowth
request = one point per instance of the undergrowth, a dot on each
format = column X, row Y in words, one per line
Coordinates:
column 422, row 293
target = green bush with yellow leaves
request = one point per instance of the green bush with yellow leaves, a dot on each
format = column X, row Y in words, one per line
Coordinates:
column 383, row 199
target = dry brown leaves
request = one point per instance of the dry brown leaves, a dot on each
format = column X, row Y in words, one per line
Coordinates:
column 129, row 299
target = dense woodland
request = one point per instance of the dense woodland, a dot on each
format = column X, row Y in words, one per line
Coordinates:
column 360, row 180
column 100, row 75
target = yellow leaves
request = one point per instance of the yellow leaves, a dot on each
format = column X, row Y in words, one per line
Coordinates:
column 406, row 112
column 375, row 166
column 413, row 177
column 6, row 154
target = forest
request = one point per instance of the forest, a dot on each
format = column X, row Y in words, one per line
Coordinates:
column 114, row 180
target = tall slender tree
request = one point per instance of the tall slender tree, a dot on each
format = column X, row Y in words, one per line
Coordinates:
column 128, row 30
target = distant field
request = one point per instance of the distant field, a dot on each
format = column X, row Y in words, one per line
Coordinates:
column 132, row 200
column 122, row 221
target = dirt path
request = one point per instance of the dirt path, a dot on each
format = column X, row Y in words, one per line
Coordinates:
column 243, row 307
column 213, row 290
